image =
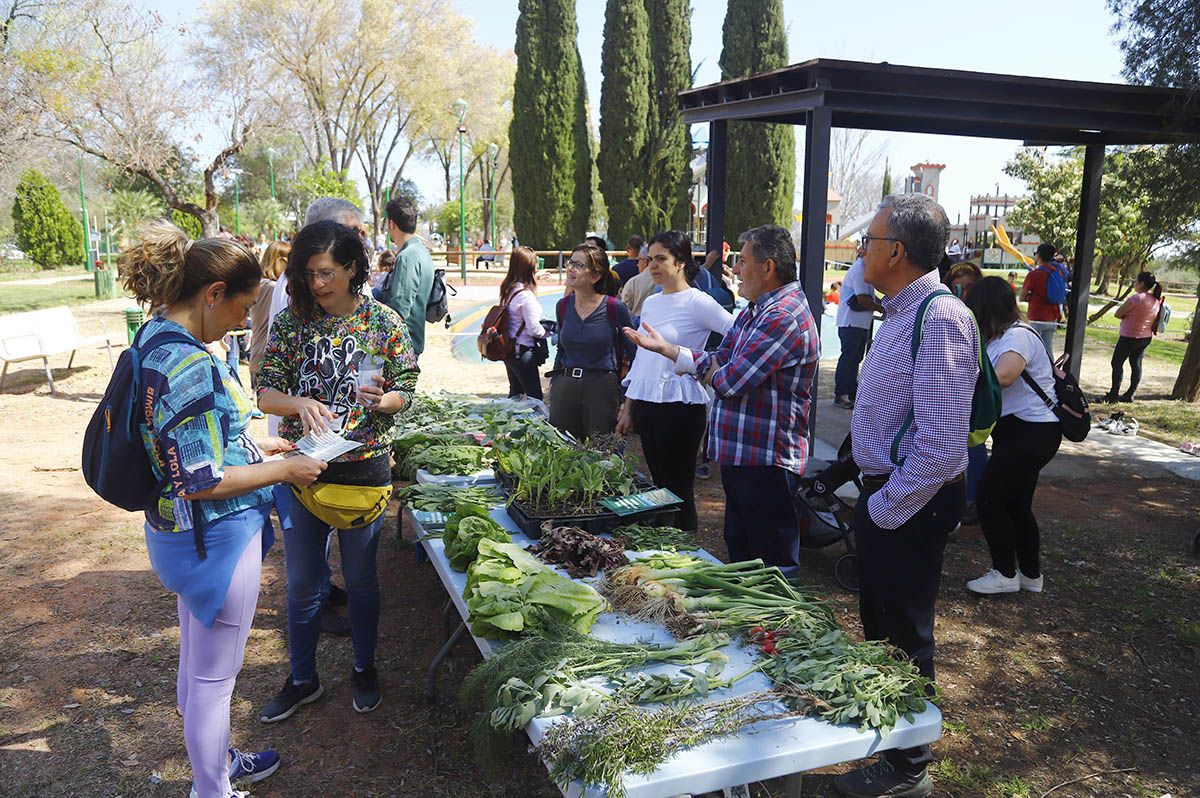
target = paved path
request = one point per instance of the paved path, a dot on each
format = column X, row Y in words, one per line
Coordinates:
column 1074, row 460
column 49, row 280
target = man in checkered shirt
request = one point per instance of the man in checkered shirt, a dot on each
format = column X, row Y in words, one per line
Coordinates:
column 910, row 426
column 762, row 375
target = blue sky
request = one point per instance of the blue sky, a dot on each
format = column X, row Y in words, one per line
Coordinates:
column 1068, row 39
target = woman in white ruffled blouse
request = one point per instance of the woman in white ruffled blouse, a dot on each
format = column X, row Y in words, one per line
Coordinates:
column 669, row 411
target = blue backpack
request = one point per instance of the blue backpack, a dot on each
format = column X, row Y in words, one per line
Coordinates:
column 1056, row 285
column 115, row 463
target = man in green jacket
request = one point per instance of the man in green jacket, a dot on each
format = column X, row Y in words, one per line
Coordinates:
column 408, row 291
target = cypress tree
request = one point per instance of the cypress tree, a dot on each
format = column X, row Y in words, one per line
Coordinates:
column 625, row 118
column 671, row 154
column 46, row 231
column 761, row 157
column 549, row 150
column 887, row 178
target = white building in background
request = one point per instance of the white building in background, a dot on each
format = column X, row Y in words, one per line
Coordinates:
column 924, row 179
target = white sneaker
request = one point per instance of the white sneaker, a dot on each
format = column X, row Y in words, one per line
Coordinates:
column 1030, row 585
column 994, row 582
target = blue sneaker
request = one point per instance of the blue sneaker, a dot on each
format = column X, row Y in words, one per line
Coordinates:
column 247, row 767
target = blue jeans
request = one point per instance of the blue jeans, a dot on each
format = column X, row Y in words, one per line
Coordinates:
column 977, row 460
column 304, row 558
column 854, row 346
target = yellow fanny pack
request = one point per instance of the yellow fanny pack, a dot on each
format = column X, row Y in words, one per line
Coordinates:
column 344, row 506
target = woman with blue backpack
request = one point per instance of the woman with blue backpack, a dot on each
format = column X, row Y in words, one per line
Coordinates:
column 204, row 528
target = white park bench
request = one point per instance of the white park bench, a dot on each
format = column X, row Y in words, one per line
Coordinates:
column 38, row 334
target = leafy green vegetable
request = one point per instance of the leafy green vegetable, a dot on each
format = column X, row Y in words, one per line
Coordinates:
column 462, row 549
column 508, row 590
column 640, row 537
column 434, row 497
column 553, row 478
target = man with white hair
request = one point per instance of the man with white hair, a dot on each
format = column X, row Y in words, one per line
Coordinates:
column 909, row 432
column 322, row 209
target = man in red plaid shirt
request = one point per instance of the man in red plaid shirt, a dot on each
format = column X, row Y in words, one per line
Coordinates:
column 762, row 375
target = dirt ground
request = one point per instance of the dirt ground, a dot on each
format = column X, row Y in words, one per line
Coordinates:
column 1092, row 684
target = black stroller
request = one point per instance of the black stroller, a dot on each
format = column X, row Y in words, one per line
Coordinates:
column 826, row 518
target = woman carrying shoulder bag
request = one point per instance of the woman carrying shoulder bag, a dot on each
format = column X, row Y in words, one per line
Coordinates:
column 1025, row 439
column 335, row 355
column 585, row 392
column 668, row 411
column 204, row 534
column 519, row 292
column 1139, row 318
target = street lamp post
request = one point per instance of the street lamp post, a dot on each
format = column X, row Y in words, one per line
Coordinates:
column 460, row 108
column 237, row 196
column 87, row 232
column 271, row 153
column 493, row 155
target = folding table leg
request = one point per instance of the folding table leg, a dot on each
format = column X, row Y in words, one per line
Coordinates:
column 438, row 659
column 4, row 374
column 791, row 785
column 449, row 614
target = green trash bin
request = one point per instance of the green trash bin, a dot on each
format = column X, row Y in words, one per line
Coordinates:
column 106, row 283
column 541, row 263
column 134, row 319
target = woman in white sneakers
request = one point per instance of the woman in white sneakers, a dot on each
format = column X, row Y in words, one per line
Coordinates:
column 1025, row 439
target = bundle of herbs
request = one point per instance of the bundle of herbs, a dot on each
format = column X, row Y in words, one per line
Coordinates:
column 622, row 738
column 544, row 673
column 509, row 591
column 448, row 458
column 868, row 683
column 435, row 498
column 553, row 479
column 642, row 537
column 580, row 552
column 690, row 595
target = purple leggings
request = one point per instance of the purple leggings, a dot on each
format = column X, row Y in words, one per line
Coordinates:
column 209, row 661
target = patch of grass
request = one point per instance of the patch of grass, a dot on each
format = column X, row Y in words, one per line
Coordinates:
column 1188, row 633
column 19, row 298
column 1014, row 787
column 954, row 726
column 1035, row 722
column 1168, row 419
column 1163, row 350
column 960, row 781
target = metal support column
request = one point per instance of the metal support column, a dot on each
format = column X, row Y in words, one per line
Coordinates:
column 715, row 175
column 811, row 266
column 1085, row 249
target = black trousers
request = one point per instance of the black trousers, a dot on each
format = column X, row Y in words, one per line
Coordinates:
column 585, row 406
column 1020, row 450
column 760, row 515
column 671, row 433
column 523, row 376
column 899, row 571
column 1131, row 349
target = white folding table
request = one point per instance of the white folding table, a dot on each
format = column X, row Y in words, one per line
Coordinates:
column 763, row 751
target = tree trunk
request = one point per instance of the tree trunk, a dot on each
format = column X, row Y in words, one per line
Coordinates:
column 1112, row 303
column 1187, row 384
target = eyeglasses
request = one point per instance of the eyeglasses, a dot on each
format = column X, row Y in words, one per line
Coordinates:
column 324, row 275
column 577, row 264
column 867, row 239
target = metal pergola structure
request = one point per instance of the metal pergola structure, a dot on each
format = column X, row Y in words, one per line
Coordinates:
column 824, row 93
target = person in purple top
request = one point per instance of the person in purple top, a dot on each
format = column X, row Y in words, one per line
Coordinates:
column 909, row 432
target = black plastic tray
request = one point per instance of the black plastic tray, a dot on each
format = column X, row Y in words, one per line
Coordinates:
column 596, row 523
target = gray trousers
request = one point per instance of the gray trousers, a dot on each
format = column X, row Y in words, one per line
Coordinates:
column 1046, row 329
column 585, row 406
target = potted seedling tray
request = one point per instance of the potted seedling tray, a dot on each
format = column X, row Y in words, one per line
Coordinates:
column 660, row 513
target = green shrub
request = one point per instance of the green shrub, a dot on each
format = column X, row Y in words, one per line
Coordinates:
column 47, row 232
